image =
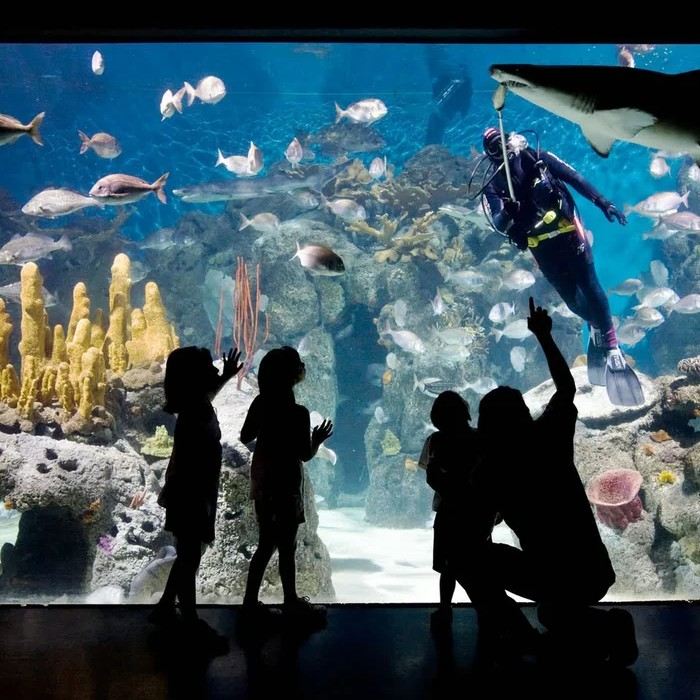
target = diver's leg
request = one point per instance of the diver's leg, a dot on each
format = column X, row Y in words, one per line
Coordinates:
column 620, row 380
column 554, row 262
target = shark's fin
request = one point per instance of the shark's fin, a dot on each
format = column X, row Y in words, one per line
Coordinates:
column 601, row 141
column 626, row 122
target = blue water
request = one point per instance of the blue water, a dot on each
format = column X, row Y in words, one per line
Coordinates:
column 277, row 90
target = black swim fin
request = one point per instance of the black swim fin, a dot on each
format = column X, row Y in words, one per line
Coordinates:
column 596, row 363
column 622, row 382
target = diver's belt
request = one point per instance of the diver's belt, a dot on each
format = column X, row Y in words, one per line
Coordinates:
column 563, row 226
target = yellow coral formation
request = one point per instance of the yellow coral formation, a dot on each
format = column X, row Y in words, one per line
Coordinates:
column 75, row 374
column 33, row 343
column 5, row 333
column 32, row 346
column 119, row 311
column 81, row 309
column 92, row 382
column 98, row 332
column 153, row 337
column 64, row 389
column 9, row 386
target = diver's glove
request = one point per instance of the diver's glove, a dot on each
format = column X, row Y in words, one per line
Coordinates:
column 611, row 211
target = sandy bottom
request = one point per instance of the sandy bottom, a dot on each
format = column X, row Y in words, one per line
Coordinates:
column 382, row 565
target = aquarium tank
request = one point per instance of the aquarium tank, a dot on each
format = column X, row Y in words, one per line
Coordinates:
column 337, row 198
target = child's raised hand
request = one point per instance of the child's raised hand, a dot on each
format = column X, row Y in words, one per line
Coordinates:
column 232, row 366
column 539, row 321
column 322, row 432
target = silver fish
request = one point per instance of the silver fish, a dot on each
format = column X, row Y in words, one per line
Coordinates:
column 518, row 355
column 21, row 249
column 627, row 288
column 103, row 144
column 97, row 63
column 209, row 90
column 689, row 304
column 11, row 129
column 52, row 203
column 12, row 291
column 267, row 222
column 363, row 112
column 516, row 330
column 120, row 189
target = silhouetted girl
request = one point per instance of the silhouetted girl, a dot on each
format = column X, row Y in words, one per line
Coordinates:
column 192, row 478
column 284, row 440
column 449, row 457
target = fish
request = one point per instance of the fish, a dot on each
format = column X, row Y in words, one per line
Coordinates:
column 52, row 203
column 209, row 90
column 171, row 103
column 658, row 167
column 313, row 177
column 482, row 385
column 686, row 221
column 647, row 317
column 339, row 139
column 625, row 57
column 518, row 355
column 516, row 330
column 659, row 233
column 630, row 333
column 380, row 415
column 438, row 303
column 103, row 144
column 294, row 152
column 12, row 129
column 97, row 63
column 612, row 103
column 627, row 288
column 564, row 311
column 120, row 189
column 519, row 280
column 661, row 204
column 162, row 239
column 656, row 296
column 34, row 246
column 392, row 361
column 377, row 168
column 689, row 304
column 255, row 158
column 266, row 221
column 500, row 312
column 151, row 579
column 326, row 453
column 363, row 112
column 238, row 165
column 320, row 260
column 400, row 311
column 469, row 279
column 406, row 340
column 659, row 273
column 347, row 209
column 12, row 292
column 456, row 336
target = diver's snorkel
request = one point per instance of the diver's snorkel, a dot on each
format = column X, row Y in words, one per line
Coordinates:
column 499, row 101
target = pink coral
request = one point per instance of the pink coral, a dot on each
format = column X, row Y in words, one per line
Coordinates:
column 615, row 495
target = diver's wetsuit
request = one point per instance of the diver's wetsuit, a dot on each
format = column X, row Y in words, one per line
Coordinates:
column 565, row 259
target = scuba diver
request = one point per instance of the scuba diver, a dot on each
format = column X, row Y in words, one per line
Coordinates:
column 452, row 93
column 529, row 203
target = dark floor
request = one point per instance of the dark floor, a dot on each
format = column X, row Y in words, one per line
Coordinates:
column 365, row 652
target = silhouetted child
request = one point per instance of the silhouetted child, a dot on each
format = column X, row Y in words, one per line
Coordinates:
column 562, row 565
column 192, row 478
column 284, row 440
column 449, row 457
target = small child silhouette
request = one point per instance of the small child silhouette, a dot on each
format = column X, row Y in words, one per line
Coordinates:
column 192, row 478
column 449, row 456
column 282, row 431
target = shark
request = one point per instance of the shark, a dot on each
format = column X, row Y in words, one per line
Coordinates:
column 613, row 103
column 312, row 177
